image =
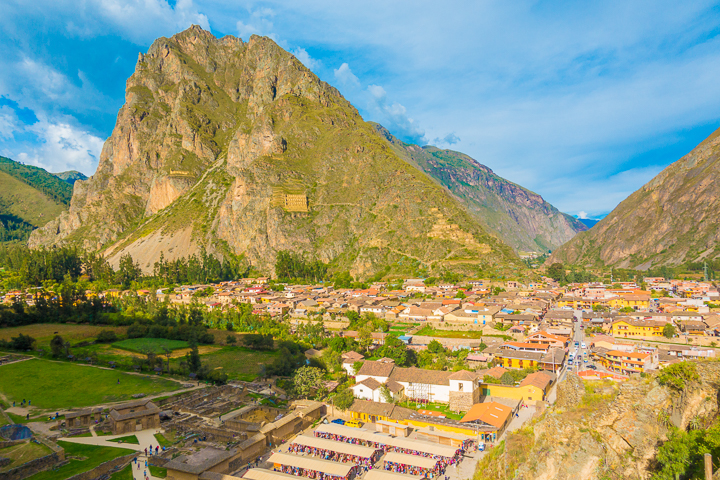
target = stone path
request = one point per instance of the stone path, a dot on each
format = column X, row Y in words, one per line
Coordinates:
column 145, row 437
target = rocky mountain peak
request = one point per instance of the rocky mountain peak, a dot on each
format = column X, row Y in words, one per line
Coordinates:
column 238, row 147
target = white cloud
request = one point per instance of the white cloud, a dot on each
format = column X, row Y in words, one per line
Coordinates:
column 258, row 23
column 447, row 140
column 394, row 116
column 59, row 147
column 345, row 76
column 8, row 122
column 582, row 215
column 137, row 20
column 305, row 58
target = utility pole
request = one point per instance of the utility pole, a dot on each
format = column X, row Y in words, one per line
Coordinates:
column 708, row 467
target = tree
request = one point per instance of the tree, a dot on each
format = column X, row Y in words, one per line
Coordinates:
column 306, row 380
column 669, row 330
column 193, row 357
column 344, row 399
column 507, row 379
column 556, row 271
column 128, row 271
column 22, row 342
column 231, row 339
column 57, row 346
column 106, row 336
column 435, row 347
column 386, row 395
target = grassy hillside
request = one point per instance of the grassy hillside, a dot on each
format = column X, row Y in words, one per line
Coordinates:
column 23, row 208
column 54, row 188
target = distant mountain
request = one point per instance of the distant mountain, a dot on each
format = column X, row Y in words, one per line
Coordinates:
column 71, row 176
column 671, row 220
column 29, row 198
column 235, row 147
column 518, row 216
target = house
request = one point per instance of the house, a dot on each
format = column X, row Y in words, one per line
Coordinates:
column 629, row 327
column 629, row 362
column 349, row 359
column 532, row 389
column 491, row 414
column 545, row 338
column 693, row 327
column 125, row 418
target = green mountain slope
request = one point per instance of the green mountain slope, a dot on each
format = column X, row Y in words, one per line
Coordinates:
column 520, row 217
column 239, row 148
column 671, row 220
column 71, row 176
column 39, row 179
column 22, row 206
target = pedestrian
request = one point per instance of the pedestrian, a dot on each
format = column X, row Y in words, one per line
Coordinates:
column 156, row 449
column 135, row 459
column 146, row 451
column 118, row 381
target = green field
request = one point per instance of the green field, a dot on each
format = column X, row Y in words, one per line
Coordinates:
column 238, row 362
column 54, row 385
column 124, row 474
column 94, row 456
column 155, row 345
column 23, row 453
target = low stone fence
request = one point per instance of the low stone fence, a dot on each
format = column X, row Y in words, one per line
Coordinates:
column 33, row 466
column 105, row 468
column 10, row 443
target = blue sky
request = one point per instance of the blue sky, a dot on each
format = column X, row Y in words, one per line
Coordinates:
column 581, row 102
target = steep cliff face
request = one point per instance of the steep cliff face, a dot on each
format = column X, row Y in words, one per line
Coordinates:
column 671, row 220
column 238, row 147
column 611, row 431
column 520, row 217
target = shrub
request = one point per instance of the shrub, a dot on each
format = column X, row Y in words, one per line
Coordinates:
column 106, row 336
column 675, row 376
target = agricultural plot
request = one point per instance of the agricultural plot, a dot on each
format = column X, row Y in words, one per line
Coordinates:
column 55, row 385
column 154, row 345
column 238, row 362
column 44, row 332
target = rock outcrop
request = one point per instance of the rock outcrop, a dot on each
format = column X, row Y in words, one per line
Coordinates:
column 520, row 217
column 237, row 147
column 611, row 431
column 669, row 221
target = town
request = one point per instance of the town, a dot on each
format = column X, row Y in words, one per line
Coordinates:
column 409, row 379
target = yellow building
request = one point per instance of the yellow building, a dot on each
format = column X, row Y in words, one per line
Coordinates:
column 637, row 328
column 515, row 359
column 635, row 301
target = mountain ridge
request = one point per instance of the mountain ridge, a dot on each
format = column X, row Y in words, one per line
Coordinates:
column 669, row 221
column 237, row 147
column 518, row 216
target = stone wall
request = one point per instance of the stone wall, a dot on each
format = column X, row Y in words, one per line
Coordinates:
column 105, row 468
column 34, row 466
column 10, row 443
column 463, row 401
